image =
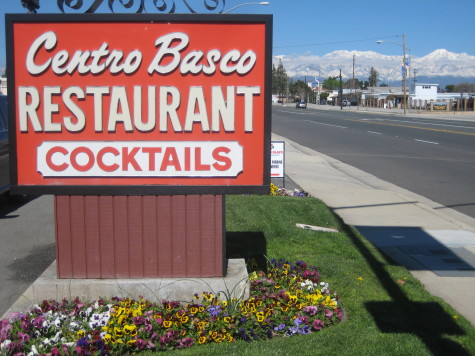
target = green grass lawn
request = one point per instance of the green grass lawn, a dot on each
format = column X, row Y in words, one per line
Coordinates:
column 388, row 312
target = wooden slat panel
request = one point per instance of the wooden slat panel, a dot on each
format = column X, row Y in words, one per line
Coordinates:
column 135, row 236
column 106, row 232
column 78, row 240
column 93, row 262
column 139, row 237
column 63, row 237
column 193, row 233
column 219, row 241
column 178, row 243
column 207, row 251
column 164, row 236
column 121, row 237
column 150, row 237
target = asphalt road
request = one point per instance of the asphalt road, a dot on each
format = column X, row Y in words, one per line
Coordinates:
column 431, row 157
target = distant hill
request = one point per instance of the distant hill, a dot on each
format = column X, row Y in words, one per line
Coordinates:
column 439, row 67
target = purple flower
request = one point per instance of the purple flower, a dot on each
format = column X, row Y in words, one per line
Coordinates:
column 280, row 327
column 317, row 324
column 186, row 342
column 311, row 309
column 23, row 337
column 5, row 329
column 138, row 320
column 140, row 344
column 214, row 310
column 328, row 313
column 304, row 330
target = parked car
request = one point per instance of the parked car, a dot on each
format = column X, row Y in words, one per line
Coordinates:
column 301, row 105
column 346, row 103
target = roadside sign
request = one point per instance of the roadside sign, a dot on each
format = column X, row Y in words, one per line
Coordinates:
column 278, row 159
column 140, row 104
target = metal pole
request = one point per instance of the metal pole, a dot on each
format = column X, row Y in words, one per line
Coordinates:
column 341, row 94
column 404, row 75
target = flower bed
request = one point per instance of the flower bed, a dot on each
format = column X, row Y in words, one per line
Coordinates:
column 276, row 191
column 289, row 299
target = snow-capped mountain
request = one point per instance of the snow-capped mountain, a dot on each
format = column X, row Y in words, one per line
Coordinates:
column 437, row 65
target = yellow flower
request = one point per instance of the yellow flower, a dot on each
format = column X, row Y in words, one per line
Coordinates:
column 131, row 342
column 81, row 333
column 329, row 302
column 253, row 276
column 193, row 310
column 137, row 312
column 122, row 319
column 202, row 340
column 360, row 278
column 118, row 332
column 107, row 338
column 184, row 319
column 130, row 330
column 167, row 323
column 455, row 317
column 260, row 317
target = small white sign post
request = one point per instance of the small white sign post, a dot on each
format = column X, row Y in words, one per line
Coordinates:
column 277, row 160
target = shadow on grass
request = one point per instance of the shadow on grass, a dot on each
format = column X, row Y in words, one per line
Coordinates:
column 251, row 246
column 428, row 321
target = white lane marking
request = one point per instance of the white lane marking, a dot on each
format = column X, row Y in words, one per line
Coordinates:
column 423, row 141
column 321, row 123
column 421, row 122
column 374, row 132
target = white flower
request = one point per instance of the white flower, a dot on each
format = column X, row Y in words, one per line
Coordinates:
column 3, row 345
column 55, row 339
column 33, row 351
column 46, row 342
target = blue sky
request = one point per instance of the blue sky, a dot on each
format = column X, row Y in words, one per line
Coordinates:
column 321, row 26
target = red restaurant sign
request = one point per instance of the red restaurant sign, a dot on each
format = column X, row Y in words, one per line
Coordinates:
column 139, row 104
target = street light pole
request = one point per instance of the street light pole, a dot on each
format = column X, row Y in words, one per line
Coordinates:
column 404, row 74
column 247, row 3
column 405, row 71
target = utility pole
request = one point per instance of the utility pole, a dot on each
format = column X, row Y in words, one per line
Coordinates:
column 415, row 80
column 341, row 93
column 353, row 86
column 404, row 74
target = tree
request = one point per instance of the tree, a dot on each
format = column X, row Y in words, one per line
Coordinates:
column 324, row 96
column 450, row 88
column 373, row 78
column 364, row 85
column 352, row 84
column 279, row 79
column 300, row 89
column 31, row 5
column 332, row 83
column 465, row 88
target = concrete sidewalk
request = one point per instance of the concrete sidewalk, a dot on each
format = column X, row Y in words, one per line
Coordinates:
column 435, row 243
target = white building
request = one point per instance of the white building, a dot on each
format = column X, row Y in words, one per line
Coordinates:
column 425, row 92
